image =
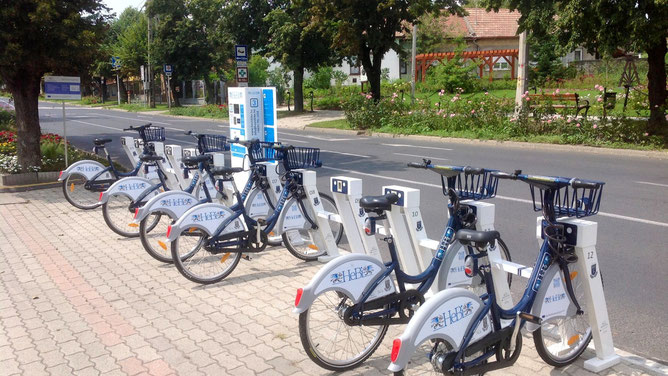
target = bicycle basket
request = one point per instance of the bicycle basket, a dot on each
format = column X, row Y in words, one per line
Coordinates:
column 262, row 152
column 471, row 187
column 149, row 134
column 300, row 157
column 569, row 201
column 209, row 143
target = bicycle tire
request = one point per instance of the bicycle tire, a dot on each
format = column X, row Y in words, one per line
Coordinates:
column 505, row 255
column 155, row 244
column 303, row 251
column 579, row 324
column 312, row 345
column 120, row 218
column 191, row 265
column 74, row 182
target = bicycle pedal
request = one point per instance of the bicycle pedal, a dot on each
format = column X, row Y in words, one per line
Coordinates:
column 262, row 222
column 246, row 256
column 531, row 318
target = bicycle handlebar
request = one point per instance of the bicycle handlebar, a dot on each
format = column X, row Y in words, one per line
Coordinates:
column 137, row 128
column 550, row 180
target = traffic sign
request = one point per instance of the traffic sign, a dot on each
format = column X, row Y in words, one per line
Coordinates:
column 167, row 68
column 241, row 52
column 242, row 74
column 62, row 87
column 115, row 62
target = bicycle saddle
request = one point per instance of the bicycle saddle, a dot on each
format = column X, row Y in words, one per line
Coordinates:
column 478, row 239
column 101, row 142
column 378, row 203
column 195, row 160
column 225, row 171
column 150, row 158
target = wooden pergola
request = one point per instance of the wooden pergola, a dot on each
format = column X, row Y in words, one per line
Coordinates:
column 488, row 58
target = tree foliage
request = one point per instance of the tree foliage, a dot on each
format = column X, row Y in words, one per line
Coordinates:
column 39, row 37
column 368, row 29
column 605, row 26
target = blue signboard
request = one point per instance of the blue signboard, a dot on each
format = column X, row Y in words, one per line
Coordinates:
column 241, row 52
column 115, row 62
column 62, row 87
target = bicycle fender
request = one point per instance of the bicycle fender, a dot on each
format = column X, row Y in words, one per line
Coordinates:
column 292, row 218
column 451, row 273
column 350, row 274
column 87, row 168
column 552, row 299
column 257, row 206
column 208, row 218
column 131, row 187
column 174, row 203
column 447, row 316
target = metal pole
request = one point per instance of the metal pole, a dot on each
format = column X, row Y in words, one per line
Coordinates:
column 522, row 72
column 65, row 134
column 413, row 65
column 150, row 72
column 118, row 89
column 169, row 93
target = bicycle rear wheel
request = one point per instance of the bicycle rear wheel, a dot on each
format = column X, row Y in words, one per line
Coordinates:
column 299, row 243
column 331, row 343
column 77, row 195
column 154, row 239
column 560, row 341
column 195, row 261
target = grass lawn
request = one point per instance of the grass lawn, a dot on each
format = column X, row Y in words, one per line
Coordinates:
column 337, row 124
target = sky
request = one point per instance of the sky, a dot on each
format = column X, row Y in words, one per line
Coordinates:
column 117, row 6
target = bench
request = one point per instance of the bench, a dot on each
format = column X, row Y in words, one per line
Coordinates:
column 561, row 101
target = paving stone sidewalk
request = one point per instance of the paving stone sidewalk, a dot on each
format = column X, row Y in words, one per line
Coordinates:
column 76, row 299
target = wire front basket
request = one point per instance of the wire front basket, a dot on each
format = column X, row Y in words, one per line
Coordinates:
column 151, row 134
column 300, row 157
column 262, row 152
column 471, row 186
column 209, row 143
column 568, row 201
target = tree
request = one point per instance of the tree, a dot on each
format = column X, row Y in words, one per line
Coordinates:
column 368, row 29
column 297, row 44
column 39, row 37
column 605, row 26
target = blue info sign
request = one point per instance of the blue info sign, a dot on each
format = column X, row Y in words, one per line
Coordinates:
column 62, row 87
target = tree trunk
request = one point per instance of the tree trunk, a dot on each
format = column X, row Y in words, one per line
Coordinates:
column 208, row 91
column 124, row 92
column 176, row 95
column 656, row 78
column 299, row 89
column 371, row 66
column 26, row 95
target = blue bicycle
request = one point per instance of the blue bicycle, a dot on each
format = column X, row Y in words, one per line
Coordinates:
column 208, row 240
column 346, row 309
column 84, row 180
column 460, row 333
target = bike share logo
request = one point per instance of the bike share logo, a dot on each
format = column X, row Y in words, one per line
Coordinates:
column 594, row 271
column 88, row 168
column 316, row 201
column 278, row 189
column 352, row 274
column 541, row 272
column 210, row 216
column 131, row 186
column 361, row 213
column 176, row 202
column 419, row 226
column 452, row 316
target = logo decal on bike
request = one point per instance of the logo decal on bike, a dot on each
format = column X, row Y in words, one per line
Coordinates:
column 594, row 271
column 316, row 201
column 555, row 298
column 207, row 216
column 352, row 274
column 361, row 213
column 176, row 202
column 544, row 263
column 88, row 168
column 278, row 189
column 452, row 316
column 419, row 226
column 131, row 186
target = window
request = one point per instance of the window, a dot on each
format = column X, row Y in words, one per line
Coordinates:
column 403, row 68
column 577, row 55
column 501, row 66
column 354, row 66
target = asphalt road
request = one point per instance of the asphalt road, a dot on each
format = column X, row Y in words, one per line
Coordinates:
column 633, row 223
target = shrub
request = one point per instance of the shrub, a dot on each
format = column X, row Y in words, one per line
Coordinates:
column 209, row 111
column 90, row 100
column 280, row 79
column 257, row 71
column 339, row 77
column 321, row 79
column 452, row 75
column 7, row 120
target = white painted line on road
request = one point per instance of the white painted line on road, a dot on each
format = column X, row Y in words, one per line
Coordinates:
column 97, row 125
column 323, row 138
column 418, row 146
column 152, row 121
column 292, row 140
column 610, row 215
column 421, row 156
column 342, row 153
column 656, row 184
column 216, row 130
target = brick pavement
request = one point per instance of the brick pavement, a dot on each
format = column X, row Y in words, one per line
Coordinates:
column 77, row 299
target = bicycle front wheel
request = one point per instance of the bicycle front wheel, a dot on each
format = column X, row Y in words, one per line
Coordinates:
column 152, row 234
column 195, row 261
column 299, row 243
column 77, row 195
column 331, row 343
column 560, row 341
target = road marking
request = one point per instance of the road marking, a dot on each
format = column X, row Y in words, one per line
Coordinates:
column 291, row 140
column 323, row 138
column 417, row 146
column 342, row 153
column 421, row 156
column 97, row 125
column 610, row 215
column 656, row 184
column 216, row 130
column 152, row 121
